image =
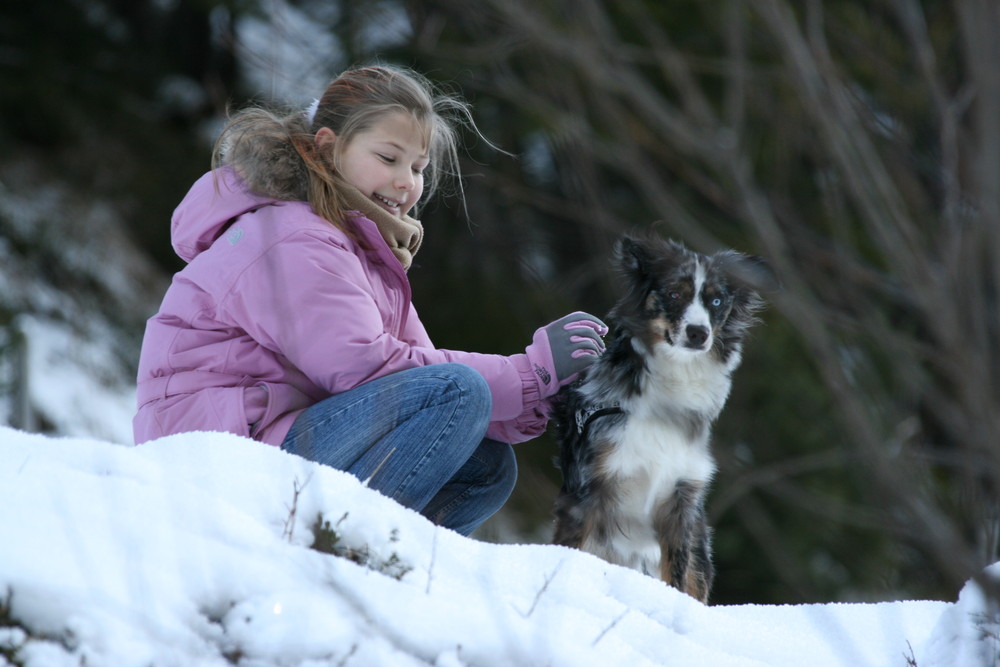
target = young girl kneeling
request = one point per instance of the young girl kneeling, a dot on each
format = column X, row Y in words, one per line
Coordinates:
column 292, row 322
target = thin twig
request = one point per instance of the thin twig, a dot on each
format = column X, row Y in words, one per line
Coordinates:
column 610, row 627
column 545, row 586
column 289, row 531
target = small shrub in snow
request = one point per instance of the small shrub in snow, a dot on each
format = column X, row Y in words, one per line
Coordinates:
column 327, row 540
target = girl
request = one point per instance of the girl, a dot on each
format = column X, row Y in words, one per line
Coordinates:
column 292, row 322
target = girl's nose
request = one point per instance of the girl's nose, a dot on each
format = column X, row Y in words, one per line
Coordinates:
column 405, row 181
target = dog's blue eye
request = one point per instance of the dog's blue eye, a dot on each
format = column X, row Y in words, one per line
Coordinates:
column 716, row 302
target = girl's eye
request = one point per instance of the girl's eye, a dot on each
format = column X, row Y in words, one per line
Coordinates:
column 387, row 159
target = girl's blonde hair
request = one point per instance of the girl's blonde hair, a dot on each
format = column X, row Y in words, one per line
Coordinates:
column 277, row 153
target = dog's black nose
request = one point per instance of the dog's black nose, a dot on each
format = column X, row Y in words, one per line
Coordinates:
column 696, row 335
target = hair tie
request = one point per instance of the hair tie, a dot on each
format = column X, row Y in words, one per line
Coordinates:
column 310, row 111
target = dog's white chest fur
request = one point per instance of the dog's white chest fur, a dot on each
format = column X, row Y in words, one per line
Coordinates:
column 648, row 460
column 650, row 457
column 660, row 445
column 692, row 381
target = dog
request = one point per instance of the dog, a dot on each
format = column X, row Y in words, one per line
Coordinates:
column 634, row 428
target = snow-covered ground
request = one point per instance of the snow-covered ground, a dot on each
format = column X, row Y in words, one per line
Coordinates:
column 197, row 549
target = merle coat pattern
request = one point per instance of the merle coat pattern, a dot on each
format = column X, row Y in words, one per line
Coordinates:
column 634, row 429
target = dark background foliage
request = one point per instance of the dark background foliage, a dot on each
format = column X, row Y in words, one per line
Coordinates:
column 855, row 145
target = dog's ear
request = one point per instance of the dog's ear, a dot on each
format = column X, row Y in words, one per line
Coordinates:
column 632, row 258
column 749, row 270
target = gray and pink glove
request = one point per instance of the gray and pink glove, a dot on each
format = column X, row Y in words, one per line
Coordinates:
column 561, row 350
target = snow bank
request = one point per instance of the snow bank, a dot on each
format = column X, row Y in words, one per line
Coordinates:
column 196, row 550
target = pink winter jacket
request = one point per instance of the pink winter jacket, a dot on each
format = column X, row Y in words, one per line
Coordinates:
column 278, row 309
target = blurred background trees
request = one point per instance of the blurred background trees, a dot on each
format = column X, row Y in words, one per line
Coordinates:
column 854, row 144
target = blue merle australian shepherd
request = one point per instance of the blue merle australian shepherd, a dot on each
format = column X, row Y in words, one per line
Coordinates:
column 634, row 429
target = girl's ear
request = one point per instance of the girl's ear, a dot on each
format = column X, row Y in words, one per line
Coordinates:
column 326, row 139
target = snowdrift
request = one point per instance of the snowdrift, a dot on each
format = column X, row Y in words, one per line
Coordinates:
column 210, row 549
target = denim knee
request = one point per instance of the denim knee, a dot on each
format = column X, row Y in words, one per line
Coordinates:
column 471, row 385
column 499, row 470
column 506, row 469
column 479, row 489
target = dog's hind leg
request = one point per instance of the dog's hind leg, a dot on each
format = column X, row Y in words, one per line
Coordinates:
column 589, row 522
column 684, row 537
column 701, row 571
column 569, row 513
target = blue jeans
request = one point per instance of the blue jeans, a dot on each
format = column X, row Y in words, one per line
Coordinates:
column 419, row 435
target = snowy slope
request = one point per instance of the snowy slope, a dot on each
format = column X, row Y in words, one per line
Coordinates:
column 195, row 550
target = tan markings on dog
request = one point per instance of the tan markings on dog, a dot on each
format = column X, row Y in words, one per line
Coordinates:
column 589, row 527
column 696, row 584
column 599, row 526
column 656, row 328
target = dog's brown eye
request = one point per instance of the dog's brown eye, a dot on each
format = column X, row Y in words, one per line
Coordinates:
column 675, row 295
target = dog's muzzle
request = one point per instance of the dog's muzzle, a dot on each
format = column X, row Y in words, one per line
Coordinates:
column 697, row 336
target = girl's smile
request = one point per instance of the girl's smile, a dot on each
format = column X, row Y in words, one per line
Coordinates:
column 385, row 162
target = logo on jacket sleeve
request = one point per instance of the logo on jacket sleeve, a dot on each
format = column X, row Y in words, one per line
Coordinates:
column 234, row 235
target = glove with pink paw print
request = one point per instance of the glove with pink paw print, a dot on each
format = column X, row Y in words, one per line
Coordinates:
column 561, row 350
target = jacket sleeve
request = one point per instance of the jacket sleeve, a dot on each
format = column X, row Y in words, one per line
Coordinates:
column 311, row 301
column 413, row 332
column 531, row 423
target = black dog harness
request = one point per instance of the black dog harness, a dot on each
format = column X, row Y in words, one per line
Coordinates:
column 586, row 416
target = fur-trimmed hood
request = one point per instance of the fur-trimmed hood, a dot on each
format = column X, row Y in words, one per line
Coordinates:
column 270, row 165
column 268, row 171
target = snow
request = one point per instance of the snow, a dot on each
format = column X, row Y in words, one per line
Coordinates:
column 74, row 381
column 195, row 549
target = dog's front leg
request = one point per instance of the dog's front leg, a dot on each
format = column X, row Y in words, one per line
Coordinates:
column 684, row 538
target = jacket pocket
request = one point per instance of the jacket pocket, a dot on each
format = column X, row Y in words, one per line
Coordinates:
column 214, row 409
column 257, row 406
column 281, row 399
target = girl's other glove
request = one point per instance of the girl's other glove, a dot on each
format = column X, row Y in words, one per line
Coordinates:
column 561, row 350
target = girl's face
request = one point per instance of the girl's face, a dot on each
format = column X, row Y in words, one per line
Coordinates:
column 385, row 162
